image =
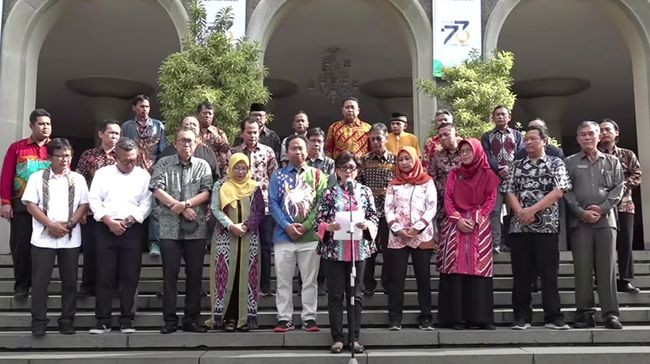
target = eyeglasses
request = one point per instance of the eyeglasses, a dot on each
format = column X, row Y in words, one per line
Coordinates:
column 348, row 168
column 185, row 141
column 62, row 157
column 465, row 151
column 376, row 139
column 240, row 169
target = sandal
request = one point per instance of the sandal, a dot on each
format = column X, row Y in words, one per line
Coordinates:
column 358, row 348
column 337, row 348
column 244, row 328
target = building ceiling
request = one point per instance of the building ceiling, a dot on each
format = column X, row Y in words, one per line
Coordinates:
column 573, row 39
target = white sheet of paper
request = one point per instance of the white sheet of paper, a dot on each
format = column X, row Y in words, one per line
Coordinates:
column 343, row 219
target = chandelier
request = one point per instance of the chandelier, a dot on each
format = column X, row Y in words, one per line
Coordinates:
column 334, row 79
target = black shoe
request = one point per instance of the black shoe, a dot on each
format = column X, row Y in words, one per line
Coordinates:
column 267, row 294
column 85, row 293
column 38, row 331
column 489, row 326
column 322, row 291
column 612, row 322
column 368, row 292
column 584, row 322
column 459, row 327
column 168, row 329
column 627, row 287
column 66, row 328
column 21, row 294
column 194, row 327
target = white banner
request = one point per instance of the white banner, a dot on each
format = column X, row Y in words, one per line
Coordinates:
column 456, row 31
column 238, row 29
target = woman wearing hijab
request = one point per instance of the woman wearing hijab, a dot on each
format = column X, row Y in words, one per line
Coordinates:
column 238, row 206
column 410, row 209
column 465, row 251
column 347, row 195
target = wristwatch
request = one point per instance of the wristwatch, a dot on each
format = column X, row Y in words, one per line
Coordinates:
column 187, row 204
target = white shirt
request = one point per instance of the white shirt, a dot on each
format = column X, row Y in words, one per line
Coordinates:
column 57, row 207
column 118, row 195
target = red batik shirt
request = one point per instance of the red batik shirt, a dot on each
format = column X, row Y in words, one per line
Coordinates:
column 23, row 158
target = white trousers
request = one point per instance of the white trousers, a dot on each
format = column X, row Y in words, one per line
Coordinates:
column 287, row 254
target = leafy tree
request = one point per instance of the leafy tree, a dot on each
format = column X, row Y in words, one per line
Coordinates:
column 472, row 89
column 211, row 67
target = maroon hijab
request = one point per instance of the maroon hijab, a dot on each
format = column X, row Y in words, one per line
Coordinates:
column 476, row 180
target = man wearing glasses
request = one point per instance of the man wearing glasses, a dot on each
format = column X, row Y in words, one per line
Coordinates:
column 57, row 199
column 182, row 183
column 377, row 172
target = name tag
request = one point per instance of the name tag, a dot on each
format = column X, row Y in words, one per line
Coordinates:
column 582, row 166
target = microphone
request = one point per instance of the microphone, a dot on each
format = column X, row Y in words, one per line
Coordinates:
column 348, row 185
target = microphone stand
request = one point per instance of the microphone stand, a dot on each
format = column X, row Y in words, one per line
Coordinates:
column 353, row 275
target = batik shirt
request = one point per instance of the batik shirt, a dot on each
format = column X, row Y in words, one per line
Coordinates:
column 268, row 137
column 377, row 172
column 294, row 194
column 150, row 139
column 181, row 181
column 93, row 159
column 263, row 164
column 326, row 165
column 337, row 199
column 217, row 140
column 632, row 172
column 23, row 158
column 442, row 162
column 530, row 182
column 352, row 137
column 500, row 148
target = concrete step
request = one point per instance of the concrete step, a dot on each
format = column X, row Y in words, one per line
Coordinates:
column 640, row 256
column 378, row 301
column 155, row 272
column 152, row 286
column 514, row 355
column 371, row 338
column 16, row 320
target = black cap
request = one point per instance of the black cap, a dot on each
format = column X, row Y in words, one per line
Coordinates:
column 258, row 107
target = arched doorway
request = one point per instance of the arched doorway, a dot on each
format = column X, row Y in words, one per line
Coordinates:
column 273, row 20
column 602, row 43
column 32, row 24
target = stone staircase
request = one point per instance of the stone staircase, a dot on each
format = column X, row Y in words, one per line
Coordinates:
column 537, row 345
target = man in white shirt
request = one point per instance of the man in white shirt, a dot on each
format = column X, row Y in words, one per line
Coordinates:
column 120, row 199
column 57, row 199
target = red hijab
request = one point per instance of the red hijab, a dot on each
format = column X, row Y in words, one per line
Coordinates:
column 474, row 181
column 417, row 175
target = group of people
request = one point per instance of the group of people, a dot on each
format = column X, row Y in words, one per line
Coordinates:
column 326, row 202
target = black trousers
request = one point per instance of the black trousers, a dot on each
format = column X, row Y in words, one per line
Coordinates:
column 266, row 242
column 396, row 263
column 19, row 243
column 42, row 265
column 535, row 253
column 121, row 257
column 369, row 281
column 337, row 277
column 192, row 251
column 89, row 246
column 624, row 241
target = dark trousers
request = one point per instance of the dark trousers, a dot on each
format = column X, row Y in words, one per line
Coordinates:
column 337, row 277
column 42, row 265
column 396, row 262
column 89, row 246
column 533, row 254
column 624, row 241
column 266, row 242
column 19, row 243
column 121, row 257
column 369, row 281
column 192, row 251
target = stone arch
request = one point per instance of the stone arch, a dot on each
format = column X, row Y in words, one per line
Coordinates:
column 410, row 17
column 633, row 21
column 24, row 32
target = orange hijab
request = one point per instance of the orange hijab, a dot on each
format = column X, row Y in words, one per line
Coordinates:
column 417, row 175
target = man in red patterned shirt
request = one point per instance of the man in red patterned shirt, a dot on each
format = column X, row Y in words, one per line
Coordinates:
column 349, row 134
column 23, row 158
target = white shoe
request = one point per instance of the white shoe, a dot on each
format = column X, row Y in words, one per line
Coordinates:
column 99, row 329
